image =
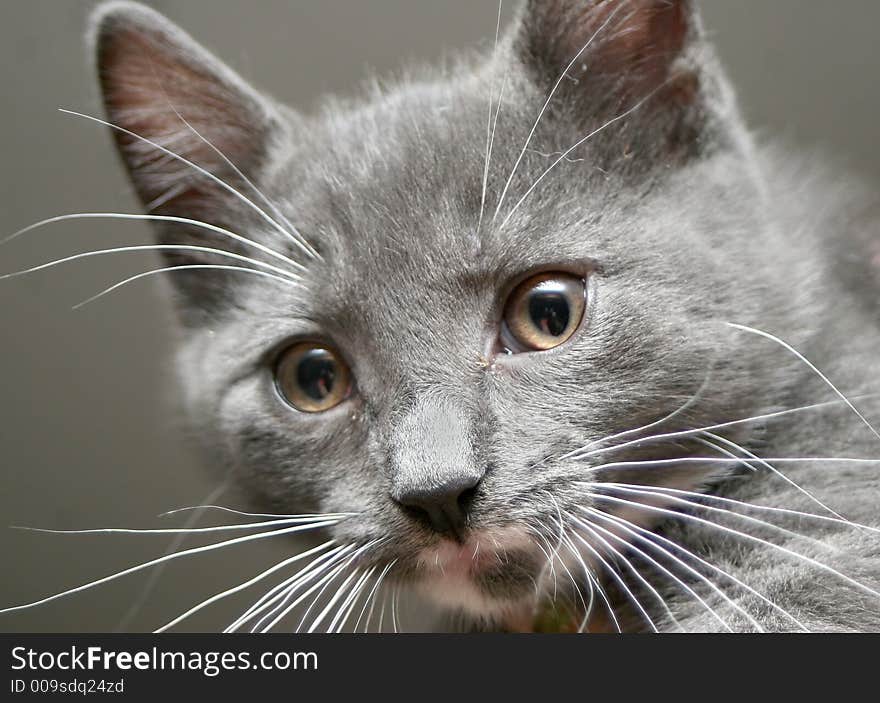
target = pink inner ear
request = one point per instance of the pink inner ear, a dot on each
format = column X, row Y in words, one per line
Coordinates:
column 146, row 78
column 639, row 43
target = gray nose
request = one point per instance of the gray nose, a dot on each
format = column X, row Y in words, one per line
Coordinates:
column 433, row 467
column 444, row 505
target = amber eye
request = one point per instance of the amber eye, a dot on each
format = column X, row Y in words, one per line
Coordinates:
column 544, row 311
column 312, row 377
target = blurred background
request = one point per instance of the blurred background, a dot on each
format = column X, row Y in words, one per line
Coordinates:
column 87, row 415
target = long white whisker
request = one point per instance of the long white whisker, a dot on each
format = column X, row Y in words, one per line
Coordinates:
column 746, row 536
column 395, row 595
column 490, row 132
column 589, row 527
column 580, row 453
column 242, row 586
column 219, row 181
column 175, row 544
column 339, row 592
column 649, row 490
column 594, row 580
column 272, row 206
column 626, row 433
column 371, row 598
column 651, row 538
column 647, row 538
column 382, row 611
column 282, row 592
column 345, row 610
column 647, row 557
column 339, row 570
column 185, row 267
column 177, row 530
column 544, row 109
column 169, row 557
column 561, row 539
column 159, row 218
column 617, row 578
column 729, row 443
column 753, row 506
column 574, row 146
column 811, row 366
column 222, row 508
column 281, row 605
column 742, row 460
column 156, row 247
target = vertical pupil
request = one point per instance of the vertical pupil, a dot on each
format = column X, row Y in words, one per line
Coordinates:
column 316, row 373
column 549, row 311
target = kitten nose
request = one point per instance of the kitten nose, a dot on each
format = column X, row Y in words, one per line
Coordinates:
column 445, row 505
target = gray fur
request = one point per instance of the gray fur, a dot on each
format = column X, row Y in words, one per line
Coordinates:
column 681, row 222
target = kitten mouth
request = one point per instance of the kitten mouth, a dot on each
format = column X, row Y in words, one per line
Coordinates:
column 455, row 558
column 486, row 575
column 480, row 553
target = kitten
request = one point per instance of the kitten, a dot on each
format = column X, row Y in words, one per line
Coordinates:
column 543, row 336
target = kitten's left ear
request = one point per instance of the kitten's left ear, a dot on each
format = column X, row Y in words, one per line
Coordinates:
column 605, row 57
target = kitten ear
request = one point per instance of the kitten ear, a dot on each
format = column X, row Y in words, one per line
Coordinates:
column 157, row 82
column 610, row 55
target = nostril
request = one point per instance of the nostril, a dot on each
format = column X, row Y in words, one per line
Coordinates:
column 466, row 498
column 445, row 507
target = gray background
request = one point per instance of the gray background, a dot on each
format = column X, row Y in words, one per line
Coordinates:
column 86, row 413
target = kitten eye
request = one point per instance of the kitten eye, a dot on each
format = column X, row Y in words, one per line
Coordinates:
column 544, row 311
column 312, row 378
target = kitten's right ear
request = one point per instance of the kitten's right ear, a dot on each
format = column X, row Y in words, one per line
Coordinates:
column 159, row 83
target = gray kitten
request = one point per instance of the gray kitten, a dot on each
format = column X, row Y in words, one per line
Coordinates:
column 543, row 336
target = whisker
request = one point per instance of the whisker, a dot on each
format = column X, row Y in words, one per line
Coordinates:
column 562, row 157
column 281, row 592
column 155, row 247
column 589, row 527
column 187, row 508
column 395, row 595
column 772, row 469
column 346, row 609
column 753, row 506
column 716, row 460
column 657, row 565
column 490, row 132
column 178, row 530
column 382, row 612
column 283, row 604
column 339, row 592
column 185, row 267
column 649, row 490
column 561, row 539
column 272, row 206
column 580, row 453
column 371, row 598
column 169, row 557
column 648, row 539
column 219, row 181
column 811, row 366
column 242, row 586
column 176, row 543
column 617, row 578
column 666, row 418
column 245, row 241
column 588, row 573
column 746, row 536
column 338, row 571
column 544, row 109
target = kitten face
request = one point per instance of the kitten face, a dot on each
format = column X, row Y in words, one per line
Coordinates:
column 412, row 269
